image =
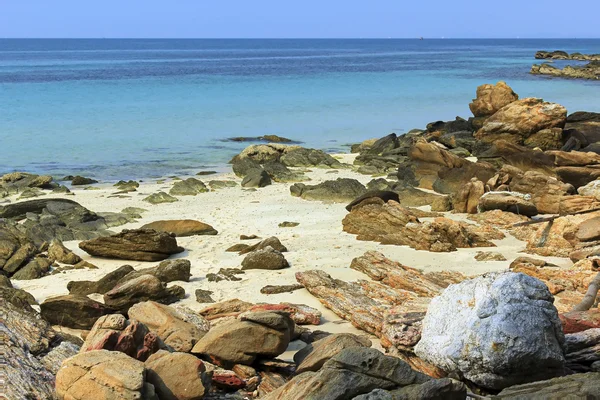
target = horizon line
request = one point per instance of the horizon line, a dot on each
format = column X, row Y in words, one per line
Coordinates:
column 301, row 38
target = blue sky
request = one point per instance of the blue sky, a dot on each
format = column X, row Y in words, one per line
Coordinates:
column 300, row 18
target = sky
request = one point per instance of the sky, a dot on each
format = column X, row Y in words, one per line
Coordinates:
column 298, row 19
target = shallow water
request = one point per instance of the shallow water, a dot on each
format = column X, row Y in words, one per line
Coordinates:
column 116, row 109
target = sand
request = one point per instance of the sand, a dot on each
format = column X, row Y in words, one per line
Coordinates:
column 317, row 243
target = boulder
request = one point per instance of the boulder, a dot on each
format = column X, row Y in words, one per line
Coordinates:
column 267, row 258
column 58, row 252
column 582, row 386
column 384, row 195
column 491, row 98
column 242, row 340
column 34, row 269
column 489, row 256
column 256, row 178
column 101, row 286
column 589, row 230
column 102, row 375
column 181, row 227
column 578, row 321
column 272, row 242
column 508, row 201
column 81, row 180
column 523, row 118
column 352, row 372
column 591, row 189
column 159, row 198
column 342, row 190
column 496, row 330
column 313, row 356
column 167, row 271
column 135, row 244
column 587, row 126
column 188, row 187
column 73, row 311
column 467, row 198
column 177, row 376
column 280, row 173
column 142, row 288
column 170, row 324
column 546, row 139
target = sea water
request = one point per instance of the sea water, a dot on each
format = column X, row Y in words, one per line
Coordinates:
column 119, row 109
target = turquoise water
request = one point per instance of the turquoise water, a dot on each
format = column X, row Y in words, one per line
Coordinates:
column 116, row 109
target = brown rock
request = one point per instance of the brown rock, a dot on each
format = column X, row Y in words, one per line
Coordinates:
column 177, row 376
column 103, row 285
column 508, row 201
column 491, row 98
column 73, row 311
column 467, row 198
column 170, row 324
column 137, row 244
column 576, row 204
column 589, row 230
column 313, row 356
column 578, row 321
column 546, row 139
column 225, row 308
column 143, row 288
column 272, row 242
column 267, row 258
column 277, row 289
column 181, row 227
column 58, row 252
column 489, row 256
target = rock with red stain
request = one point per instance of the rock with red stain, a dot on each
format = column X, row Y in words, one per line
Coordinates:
column 577, row 321
column 227, row 380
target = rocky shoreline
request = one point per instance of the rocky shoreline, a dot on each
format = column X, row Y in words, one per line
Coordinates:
column 456, row 261
column 591, row 70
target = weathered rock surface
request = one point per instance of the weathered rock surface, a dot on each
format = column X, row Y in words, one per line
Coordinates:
column 256, row 179
column 102, row 375
column 159, row 198
column 142, row 288
column 135, row 244
column 177, row 376
column 272, row 242
column 188, row 187
column 182, row 227
column 577, row 386
column 167, row 271
column 101, row 286
column 36, row 268
column 313, row 356
column 241, row 341
column 491, row 98
column 267, row 258
column 590, row 70
column 170, row 324
column 496, row 330
column 467, row 198
column 73, row 311
column 508, row 201
column 342, row 190
column 58, row 252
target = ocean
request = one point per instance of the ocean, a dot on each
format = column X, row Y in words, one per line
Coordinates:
column 120, row 109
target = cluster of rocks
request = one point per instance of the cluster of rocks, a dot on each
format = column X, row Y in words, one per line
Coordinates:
column 591, row 70
column 563, row 55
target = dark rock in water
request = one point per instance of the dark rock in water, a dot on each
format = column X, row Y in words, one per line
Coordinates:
column 103, row 285
column 188, row 187
column 80, row 180
column 225, row 274
column 267, row 258
column 34, row 269
column 204, row 173
column 31, row 352
column 265, row 138
column 339, row 191
column 203, row 296
column 589, row 71
column 271, row 289
column 383, row 195
column 73, row 311
column 142, row 288
column 181, row 227
column 136, row 244
column 256, row 179
column 272, row 242
column 160, row 197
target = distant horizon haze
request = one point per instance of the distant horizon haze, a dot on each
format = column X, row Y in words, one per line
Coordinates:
column 311, row 19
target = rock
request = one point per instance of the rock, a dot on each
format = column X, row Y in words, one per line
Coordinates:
column 301, row 314
column 271, row 289
column 590, row 70
column 241, row 341
column 188, row 187
column 546, row 139
column 177, row 376
column 169, row 324
column 34, row 269
column 143, row 288
column 313, row 356
column 225, row 308
column 585, row 126
column 58, row 252
column 159, row 198
column 267, row 258
column 352, row 372
column 569, row 205
column 578, row 321
column 341, row 190
column 508, row 201
column 591, row 189
column 272, row 242
column 243, row 166
column 167, row 271
column 181, row 227
column 127, row 186
column 17, row 297
column 288, row 224
column 204, row 296
column 136, row 244
column 491, row 98
column 523, row 118
column 280, row 173
column 256, row 179
column 384, row 195
column 582, row 386
column 302, row 157
column 489, row 256
column 102, row 374
column 73, row 311
column 80, row 180
column 101, row 286
column 589, row 230
column 467, row 198
column 506, row 319
column 390, row 223
column 225, row 274
column 216, row 185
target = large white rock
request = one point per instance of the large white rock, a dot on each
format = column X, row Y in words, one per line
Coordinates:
column 591, row 189
column 496, row 330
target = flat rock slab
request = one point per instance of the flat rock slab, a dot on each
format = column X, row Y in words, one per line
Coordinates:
column 137, row 245
column 182, row 227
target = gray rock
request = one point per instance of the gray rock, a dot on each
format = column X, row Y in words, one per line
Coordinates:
column 271, row 241
column 34, row 269
column 341, row 190
column 106, row 283
column 73, row 311
column 302, row 157
column 81, row 180
column 256, row 179
column 215, row 185
column 188, row 187
column 577, row 386
column 142, row 288
column 159, row 198
column 497, row 330
column 267, row 258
